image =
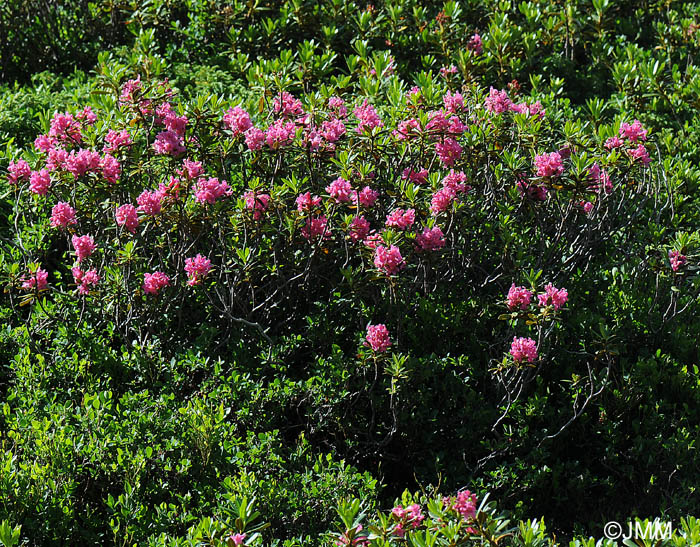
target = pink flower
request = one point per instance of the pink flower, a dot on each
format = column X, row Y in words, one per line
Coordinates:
column 316, row 227
column 359, row 228
column 115, row 140
column 406, row 129
column 418, row 177
column 373, row 240
column 280, row 134
column 287, row 105
column 62, row 214
column 518, row 297
column 58, row 159
column 453, row 103
column 367, row 116
column 587, row 206
column 197, row 268
column 150, row 203
column 600, row 180
column 236, row 539
column 456, row 126
column 176, row 124
column 44, row 143
column 18, row 171
column 111, row 170
column 65, row 127
column 523, row 350
column 337, row 105
column 448, row 151
column 85, row 280
column 388, row 260
column 153, row 283
column 401, row 219
column 306, row 203
column 441, row 201
column 633, row 132
column 83, row 161
column 366, row 197
column 613, row 142
column 208, row 190
column 430, row 240
column 88, row 115
column 378, row 338
column 191, row 169
column 37, row 280
column 168, row 143
column 332, row 130
column 677, row 260
column 437, row 122
column 39, row 182
column 340, row 190
column 126, row 216
column 534, row 191
column 455, row 181
column 465, row 504
column 130, row 90
column 474, row 44
column 640, row 153
column 254, row 138
column 84, row 246
column 549, row 165
column 257, row 203
column 237, row 120
column 553, row 297
column 447, row 71
column 498, row 101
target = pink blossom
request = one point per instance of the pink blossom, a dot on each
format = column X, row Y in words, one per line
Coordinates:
column 367, row 116
column 587, row 206
column 208, row 190
column 465, row 504
column 633, row 132
column 437, row 122
column 640, row 153
column 378, row 338
column 316, row 227
column 455, row 181
column 373, row 240
column 197, row 268
column 39, row 182
column 62, row 214
column 474, row 44
column 254, row 138
column 518, row 298
column 37, row 280
column 406, row 129
column 337, row 105
column 677, row 260
column 84, row 246
column 88, row 115
column 414, row 93
column 306, row 203
column 359, row 228
column 279, row 134
column 388, row 260
column 287, row 105
column 44, row 143
column 115, row 140
column 441, row 201
column 366, row 197
column 18, row 171
column 549, row 165
column 257, row 203
column 553, row 297
column 237, row 120
column 430, row 240
column 85, row 280
column 600, row 180
column 498, row 101
column 448, row 151
column 168, row 143
column 236, row 539
column 417, row 177
column 453, row 103
column 456, row 126
column 523, row 350
column 534, row 191
column 58, row 159
column 340, row 190
column 150, row 203
column 129, row 90
column 332, row 130
column 153, row 283
column 191, row 169
column 613, row 142
column 65, row 127
column 111, row 169
column 447, row 71
column 126, row 216
column 401, row 219
column 83, row 161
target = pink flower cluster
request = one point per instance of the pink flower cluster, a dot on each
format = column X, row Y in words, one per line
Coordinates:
column 340, row 190
column 410, row 517
column 367, row 116
column 235, row 539
column 19, row 170
column 378, row 338
column 388, row 259
column 677, row 260
column 39, row 182
column 633, row 132
column 453, row 184
column 315, row 228
column 359, row 228
column 197, row 269
column 150, row 203
column 115, row 140
column 401, row 219
column 465, row 505
column 85, row 280
column 549, row 165
column 431, row 239
column 286, row 105
column 306, row 203
column 208, row 190
column 153, row 283
column 126, row 216
column 448, row 151
column 553, row 297
column 523, row 350
column 84, row 246
column 237, row 120
column 62, row 215
column 365, row 197
column 475, row 45
column 518, row 298
column 37, row 280
column 257, row 203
